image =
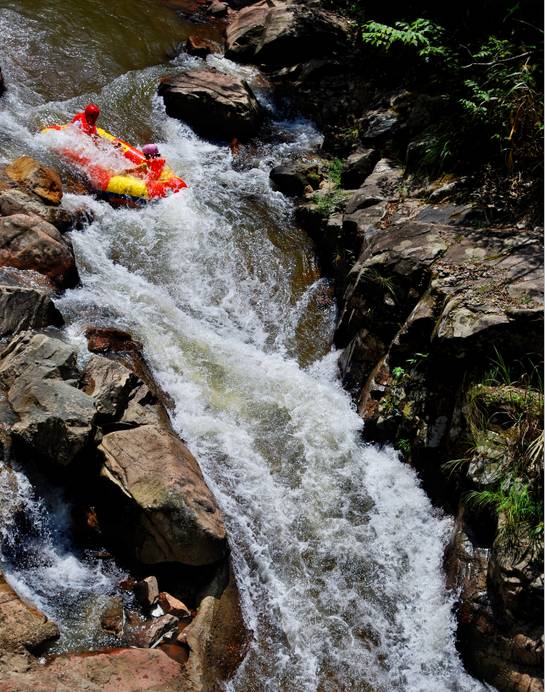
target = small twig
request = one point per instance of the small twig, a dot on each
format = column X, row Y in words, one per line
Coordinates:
column 497, row 62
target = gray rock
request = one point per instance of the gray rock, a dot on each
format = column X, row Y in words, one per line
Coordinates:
column 380, row 125
column 55, row 417
column 13, row 201
column 383, row 184
column 110, row 383
column 293, row 178
column 26, row 308
column 214, row 104
column 359, row 166
column 284, row 34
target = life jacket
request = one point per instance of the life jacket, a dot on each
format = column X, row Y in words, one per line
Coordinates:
column 155, row 168
column 85, row 126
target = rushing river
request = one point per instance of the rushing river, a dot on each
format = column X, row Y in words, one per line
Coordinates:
column 337, row 550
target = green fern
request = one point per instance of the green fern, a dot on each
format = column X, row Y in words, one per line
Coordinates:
column 422, row 35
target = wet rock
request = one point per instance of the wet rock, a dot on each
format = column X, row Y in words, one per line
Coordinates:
column 21, row 625
column 284, row 34
column 214, row 104
column 217, row 638
column 104, row 339
column 118, row 670
column 26, row 308
column 112, row 618
column 173, row 606
column 200, row 47
column 13, row 201
column 292, row 179
column 495, row 649
column 41, row 180
column 110, row 383
column 151, row 632
column 147, row 592
column 164, row 511
column 27, row 242
column 56, row 419
column 358, row 167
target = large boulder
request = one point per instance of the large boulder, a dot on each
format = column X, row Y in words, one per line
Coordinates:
column 24, row 308
column 27, row 242
column 284, row 33
column 41, row 180
column 156, row 500
column 116, row 670
column 55, row 418
column 214, row 104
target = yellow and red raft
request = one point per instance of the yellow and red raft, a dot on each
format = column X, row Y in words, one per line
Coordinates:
column 122, row 188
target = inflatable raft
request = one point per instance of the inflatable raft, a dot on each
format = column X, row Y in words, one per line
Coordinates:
column 123, row 188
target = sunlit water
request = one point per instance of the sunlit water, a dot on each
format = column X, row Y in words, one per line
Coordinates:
column 337, row 550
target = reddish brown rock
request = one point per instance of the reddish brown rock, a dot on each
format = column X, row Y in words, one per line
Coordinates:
column 200, row 47
column 173, row 606
column 104, row 339
column 42, row 180
column 151, row 632
column 118, row 670
column 22, row 625
column 28, row 242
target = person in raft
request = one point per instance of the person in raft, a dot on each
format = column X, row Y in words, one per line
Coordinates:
column 87, row 119
column 153, row 166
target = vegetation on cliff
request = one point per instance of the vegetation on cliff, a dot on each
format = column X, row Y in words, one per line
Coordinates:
column 484, row 62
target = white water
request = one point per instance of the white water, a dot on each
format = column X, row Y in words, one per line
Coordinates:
column 337, row 550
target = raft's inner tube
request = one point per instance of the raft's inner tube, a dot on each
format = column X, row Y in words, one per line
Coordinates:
column 124, row 187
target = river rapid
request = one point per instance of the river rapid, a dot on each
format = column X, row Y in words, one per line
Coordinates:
column 337, row 550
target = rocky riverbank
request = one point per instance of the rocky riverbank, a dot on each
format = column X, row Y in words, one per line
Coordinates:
column 101, row 431
column 440, row 316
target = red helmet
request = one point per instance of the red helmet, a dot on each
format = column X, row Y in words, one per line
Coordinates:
column 92, row 111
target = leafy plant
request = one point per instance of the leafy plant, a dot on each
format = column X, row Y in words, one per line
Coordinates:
column 422, row 35
column 398, row 373
column 328, row 203
column 521, row 513
column 386, row 282
column 404, row 446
